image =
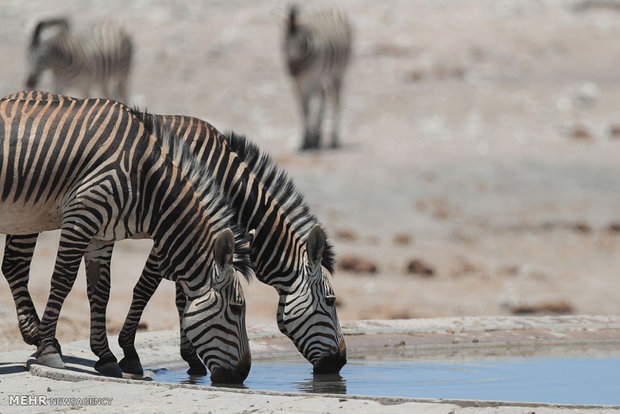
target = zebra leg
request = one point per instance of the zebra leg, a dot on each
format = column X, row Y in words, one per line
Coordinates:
column 142, row 293
column 18, row 251
column 188, row 352
column 74, row 240
column 97, row 258
column 335, row 98
column 318, row 122
column 303, row 95
column 121, row 87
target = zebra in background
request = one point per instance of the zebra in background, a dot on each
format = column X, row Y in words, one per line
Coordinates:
column 99, row 56
column 290, row 251
column 93, row 169
column 317, row 47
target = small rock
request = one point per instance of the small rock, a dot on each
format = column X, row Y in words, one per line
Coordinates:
column 419, row 267
column 415, row 76
column 582, row 227
column 402, row 314
column 559, row 307
column 356, row 265
column 402, row 239
column 580, row 132
column 143, row 326
column 614, row 131
column 346, row 235
column 613, row 228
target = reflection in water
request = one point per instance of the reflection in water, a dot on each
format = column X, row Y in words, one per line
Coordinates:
column 323, row 384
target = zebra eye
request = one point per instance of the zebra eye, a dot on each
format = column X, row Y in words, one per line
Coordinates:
column 236, row 308
column 330, row 300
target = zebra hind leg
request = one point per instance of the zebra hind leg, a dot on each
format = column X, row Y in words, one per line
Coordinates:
column 142, row 293
column 18, row 253
column 188, row 352
column 97, row 258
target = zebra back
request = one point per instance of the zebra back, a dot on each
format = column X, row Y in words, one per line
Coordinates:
column 317, row 43
column 98, row 55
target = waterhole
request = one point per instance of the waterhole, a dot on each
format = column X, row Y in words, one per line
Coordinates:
column 526, row 379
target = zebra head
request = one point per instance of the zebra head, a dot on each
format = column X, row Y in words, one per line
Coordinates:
column 307, row 311
column 41, row 50
column 214, row 319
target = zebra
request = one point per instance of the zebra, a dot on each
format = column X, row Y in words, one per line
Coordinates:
column 95, row 170
column 317, row 48
column 290, row 250
column 101, row 55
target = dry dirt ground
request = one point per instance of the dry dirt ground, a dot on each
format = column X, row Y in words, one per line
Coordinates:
column 481, row 143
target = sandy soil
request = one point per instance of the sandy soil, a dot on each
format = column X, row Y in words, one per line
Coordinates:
column 479, row 139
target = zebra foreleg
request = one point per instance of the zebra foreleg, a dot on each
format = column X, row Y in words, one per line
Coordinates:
column 74, row 240
column 335, row 104
column 188, row 352
column 97, row 258
column 18, row 251
column 142, row 293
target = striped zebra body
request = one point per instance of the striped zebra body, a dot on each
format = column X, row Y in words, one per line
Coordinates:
column 289, row 249
column 317, row 48
column 262, row 198
column 94, row 170
column 100, row 56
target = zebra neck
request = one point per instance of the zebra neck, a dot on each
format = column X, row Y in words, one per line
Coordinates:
column 173, row 217
column 255, row 207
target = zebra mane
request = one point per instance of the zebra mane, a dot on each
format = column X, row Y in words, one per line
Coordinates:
column 215, row 203
column 276, row 181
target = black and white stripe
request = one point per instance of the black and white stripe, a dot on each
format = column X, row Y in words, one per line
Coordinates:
column 317, row 48
column 265, row 200
column 99, row 56
column 285, row 235
column 93, row 169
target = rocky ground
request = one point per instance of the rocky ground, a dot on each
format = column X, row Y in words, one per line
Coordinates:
column 481, row 159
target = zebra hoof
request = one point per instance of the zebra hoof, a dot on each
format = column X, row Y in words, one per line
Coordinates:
column 109, row 369
column 49, row 354
column 196, row 367
column 131, row 365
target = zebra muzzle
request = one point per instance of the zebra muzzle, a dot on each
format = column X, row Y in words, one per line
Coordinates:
column 237, row 375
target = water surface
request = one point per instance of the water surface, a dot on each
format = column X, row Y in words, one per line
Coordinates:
column 552, row 380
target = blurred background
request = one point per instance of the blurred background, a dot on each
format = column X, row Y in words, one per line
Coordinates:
column 480, row 166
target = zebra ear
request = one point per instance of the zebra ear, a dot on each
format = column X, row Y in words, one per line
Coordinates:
column 292, row 19
column 251, row 235
column 315, row 245
column 224, row 248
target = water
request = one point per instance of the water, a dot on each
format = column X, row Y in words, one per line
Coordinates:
column 552, row 380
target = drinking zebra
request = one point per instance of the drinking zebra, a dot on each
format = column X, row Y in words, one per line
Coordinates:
column 317, row 48
column 93, row 169
column 290, row 251
column 99, row 56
